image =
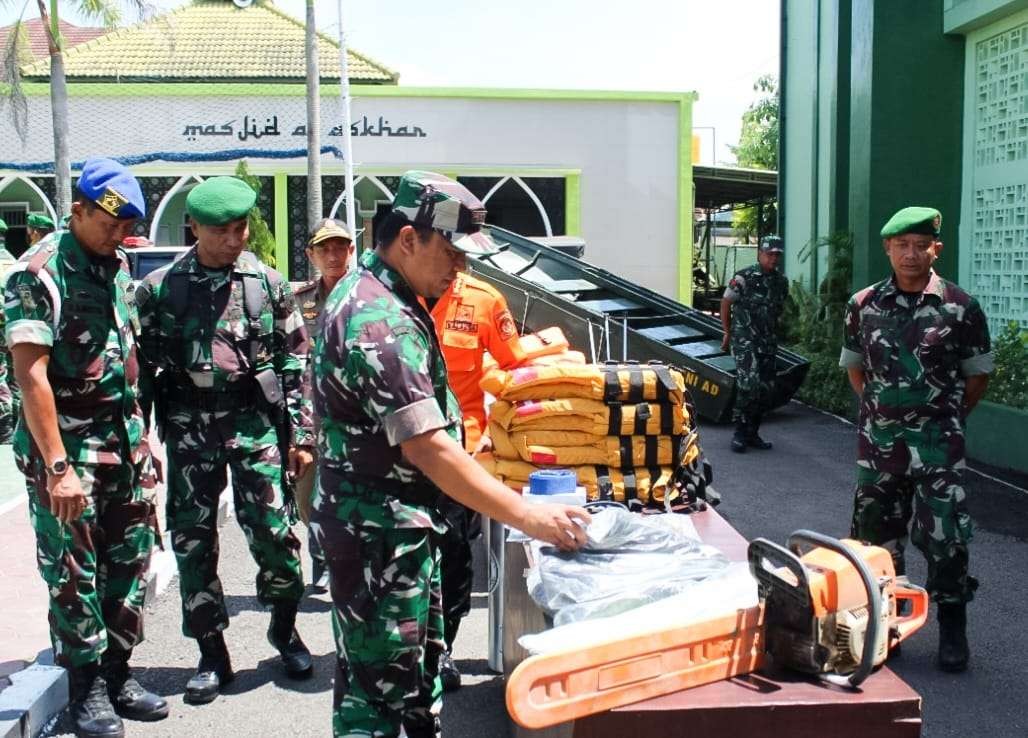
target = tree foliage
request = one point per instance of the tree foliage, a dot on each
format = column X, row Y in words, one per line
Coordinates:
column 758, row 149
column 262, row 242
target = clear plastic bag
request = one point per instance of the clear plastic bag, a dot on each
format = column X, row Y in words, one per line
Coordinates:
column 629, row 560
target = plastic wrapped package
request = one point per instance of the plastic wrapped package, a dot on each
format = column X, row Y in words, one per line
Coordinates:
column 628, row 560
column 724, row 593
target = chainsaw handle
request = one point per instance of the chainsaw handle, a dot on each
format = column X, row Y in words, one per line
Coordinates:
column 761, row 550
column 874, row 601
column 918, row 598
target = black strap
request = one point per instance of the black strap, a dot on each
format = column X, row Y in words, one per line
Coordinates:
column 625, row 449
column 611, row 386
column 616, row 417
column 636, row 385
column 666, row 387
column 604, row 485
column 676, row 450
column 651, row 457
column 631, row 485
column 642, row 416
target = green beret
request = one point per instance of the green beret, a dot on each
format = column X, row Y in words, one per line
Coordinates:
column 39, row 222
column 922, row 221
column 3, row 226
column 220, row 200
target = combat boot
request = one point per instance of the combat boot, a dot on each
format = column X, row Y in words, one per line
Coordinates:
column 954, row 652
column 127, row 695
column 282, row 635
column 90, row 707
column 739, row 440
column 753, row 439
column 449, row 674
column 213, row 672
column 319, row 576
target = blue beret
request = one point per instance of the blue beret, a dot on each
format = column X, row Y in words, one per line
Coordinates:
column 112, row 186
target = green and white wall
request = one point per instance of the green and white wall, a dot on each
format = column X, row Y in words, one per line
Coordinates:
column 612, row 167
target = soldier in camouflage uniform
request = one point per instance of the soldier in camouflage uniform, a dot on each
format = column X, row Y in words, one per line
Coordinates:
column 7, row 411
column 82, row 445
column 389, row 434
column 750, row 309
column 329, row 250
column 227, row 346
column 918, row 355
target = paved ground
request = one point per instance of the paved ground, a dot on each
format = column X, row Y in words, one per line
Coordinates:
column 805, row 482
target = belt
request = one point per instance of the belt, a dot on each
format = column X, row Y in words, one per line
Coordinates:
column 212, row 400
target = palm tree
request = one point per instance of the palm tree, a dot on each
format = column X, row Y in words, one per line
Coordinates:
column 314, row 204
column 105, row 11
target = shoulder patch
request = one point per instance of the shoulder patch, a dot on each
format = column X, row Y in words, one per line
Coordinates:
column 506, row 328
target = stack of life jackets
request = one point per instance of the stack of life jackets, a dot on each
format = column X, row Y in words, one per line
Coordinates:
column 625, row 429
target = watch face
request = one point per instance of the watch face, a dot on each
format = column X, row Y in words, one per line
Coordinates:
column 59, row 467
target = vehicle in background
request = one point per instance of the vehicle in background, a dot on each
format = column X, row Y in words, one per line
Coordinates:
column 146, row 259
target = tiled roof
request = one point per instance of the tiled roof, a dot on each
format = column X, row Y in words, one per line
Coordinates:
column 36, row 33
column 210, row 41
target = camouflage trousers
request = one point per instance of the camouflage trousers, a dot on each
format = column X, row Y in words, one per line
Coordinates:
column 754, row 385
column 457, row 572
column 934, row 506
column 95, row 567
column 200, row 447
column 388, row 624
column 7, row 409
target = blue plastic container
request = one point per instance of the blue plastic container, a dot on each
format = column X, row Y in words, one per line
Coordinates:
column 552, row 482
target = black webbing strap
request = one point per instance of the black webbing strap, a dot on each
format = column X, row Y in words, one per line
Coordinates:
column 667, row 419
column 676, row 450
column 616, row 417
column 631, row 485
column 666, row 387
column 611, row 385
column 642, row 415
column 652, row 447
column 636, row 385
column 604, row 485
column 625, row 443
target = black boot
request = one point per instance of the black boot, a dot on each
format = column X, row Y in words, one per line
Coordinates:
column 739, row 440
column 319, row 576
column 129, row 698
column 449, row 674
column 213, row 672
column 954, row 652
column 90, row 707
column 283, row 636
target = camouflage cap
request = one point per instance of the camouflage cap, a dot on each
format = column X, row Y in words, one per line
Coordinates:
column 40, row 222
column 220, row 200
column 326, row 229
column 432, row 200
column 111, row 185
column 772, row 245
column 920, row 220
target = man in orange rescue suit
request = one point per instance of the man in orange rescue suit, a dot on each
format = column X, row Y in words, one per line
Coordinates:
column 470, row 318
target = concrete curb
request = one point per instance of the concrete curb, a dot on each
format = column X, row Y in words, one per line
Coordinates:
column 36, row 694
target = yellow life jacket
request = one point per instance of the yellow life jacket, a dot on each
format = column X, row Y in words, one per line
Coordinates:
column 629, row 383
column 574, row 448
column 591, row 416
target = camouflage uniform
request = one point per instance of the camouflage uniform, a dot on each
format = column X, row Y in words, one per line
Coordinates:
column 8, row 398
column 757, row 300
column 212, row 416
column 95, row 567
column 379, row 380
column 915, row 351
column 310, row 298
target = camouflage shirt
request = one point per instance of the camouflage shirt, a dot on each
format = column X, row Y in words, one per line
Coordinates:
column 757, row 299
column 379, row 380
column 915, row 350
column 212, row 344
column 81, row 307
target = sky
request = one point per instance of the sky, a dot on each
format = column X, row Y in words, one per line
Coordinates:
column 717, row 48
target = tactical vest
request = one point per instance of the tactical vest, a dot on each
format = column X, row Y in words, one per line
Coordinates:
column 255, row 295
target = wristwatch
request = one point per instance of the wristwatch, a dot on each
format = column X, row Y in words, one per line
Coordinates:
column 57, row 467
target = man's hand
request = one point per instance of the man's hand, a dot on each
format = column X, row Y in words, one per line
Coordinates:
column 561, row 525
column 67, row 500
column 300, row 458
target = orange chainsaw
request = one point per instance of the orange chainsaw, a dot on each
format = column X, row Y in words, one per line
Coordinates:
column 834, row 611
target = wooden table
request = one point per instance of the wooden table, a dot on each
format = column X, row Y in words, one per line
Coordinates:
column 755, row 704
